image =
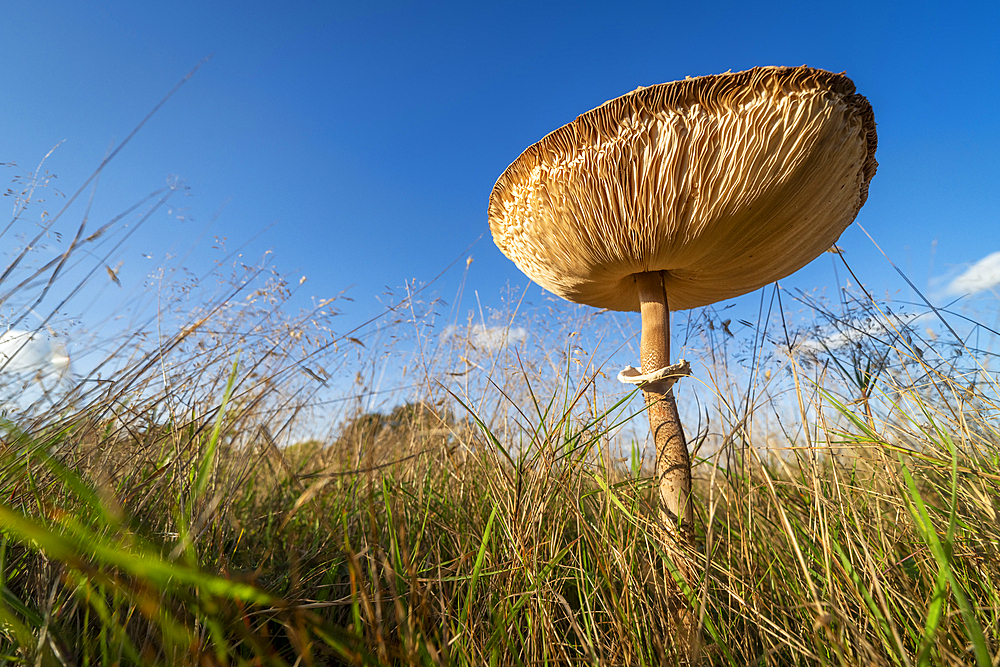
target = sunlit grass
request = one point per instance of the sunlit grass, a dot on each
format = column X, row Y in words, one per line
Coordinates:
column 424, row 537
column 187, row 501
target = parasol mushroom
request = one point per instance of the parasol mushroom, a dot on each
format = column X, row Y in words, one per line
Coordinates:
column 680, row 195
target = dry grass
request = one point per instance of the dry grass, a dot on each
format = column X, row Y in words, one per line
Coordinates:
column 164, row 524
column 188, row 503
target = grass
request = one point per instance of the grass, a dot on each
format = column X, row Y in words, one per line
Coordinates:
column 869, row 537
column 187, row 503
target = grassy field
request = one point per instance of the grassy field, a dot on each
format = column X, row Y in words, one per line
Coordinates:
column 187, row 502
column 846, row 508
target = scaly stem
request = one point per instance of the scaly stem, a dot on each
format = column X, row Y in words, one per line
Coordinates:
column 673, row 464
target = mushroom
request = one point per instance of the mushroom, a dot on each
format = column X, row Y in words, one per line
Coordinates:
column 681, row 195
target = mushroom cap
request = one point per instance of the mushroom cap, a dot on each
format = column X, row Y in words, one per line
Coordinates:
column 725, row 182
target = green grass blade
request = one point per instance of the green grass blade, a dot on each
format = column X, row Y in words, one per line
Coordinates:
column 478, row 568
column 76, row 550
column 208, row 459
column 926, row 528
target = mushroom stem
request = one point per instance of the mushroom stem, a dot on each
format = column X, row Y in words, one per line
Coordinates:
column 673, row 464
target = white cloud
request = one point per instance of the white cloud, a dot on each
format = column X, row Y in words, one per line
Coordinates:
column 488, row 338
column 31, row 351
column 35, row 371
column 858, row 331
column 983, row 275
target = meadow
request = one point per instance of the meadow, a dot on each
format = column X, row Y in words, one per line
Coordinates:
column 231, row 480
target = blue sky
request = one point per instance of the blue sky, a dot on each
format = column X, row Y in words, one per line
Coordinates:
column 366, row 137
